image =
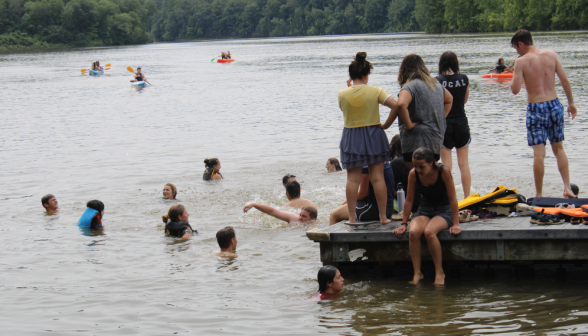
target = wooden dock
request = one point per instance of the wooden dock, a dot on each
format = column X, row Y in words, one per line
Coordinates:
column 486, row 243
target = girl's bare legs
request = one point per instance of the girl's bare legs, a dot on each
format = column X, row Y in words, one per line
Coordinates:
column 435, row 225
column 464, row 168
column 446, row 157
column 380, row 189
column 351, row 190
column 339, row 214
column 417, row 228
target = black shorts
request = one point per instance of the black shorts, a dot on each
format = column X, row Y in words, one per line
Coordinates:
column 408, row 157
column 366, row 212
column 457, row 135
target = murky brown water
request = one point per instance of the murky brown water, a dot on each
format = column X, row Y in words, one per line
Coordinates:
column 271, row 112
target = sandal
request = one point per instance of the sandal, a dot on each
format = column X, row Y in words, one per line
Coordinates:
column 576, row 220
column 535, row 216
column 549, row 220
column 398, row 217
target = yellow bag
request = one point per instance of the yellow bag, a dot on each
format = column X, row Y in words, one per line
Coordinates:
column 499, row 196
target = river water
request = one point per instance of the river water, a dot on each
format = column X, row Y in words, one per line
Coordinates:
column 271, row 112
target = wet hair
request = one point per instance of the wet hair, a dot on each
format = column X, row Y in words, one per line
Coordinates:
column 173, row 189
column 325, row 276
column 423, row 153
column 522, row 35
column 447, row 61
column 312, row 211
column 224, row 236
column 174, row 213
column 293, row 188
column 395, row 147
column 360, row 67
column 45, row 199
column 335, row 162
column 286, row 178
column 413, row 67
column 96, row 205
column 209, row 163
column 575, row 189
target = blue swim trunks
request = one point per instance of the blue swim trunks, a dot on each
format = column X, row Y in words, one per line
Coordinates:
column 545, row 121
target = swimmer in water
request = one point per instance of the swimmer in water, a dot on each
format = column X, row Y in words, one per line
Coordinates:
column 293, row 194
column 176, row 222
column 227, row 241
column 50, row 204
column 92, row 217
column 287, row 179
column 330, row 283
column 333, row 165
column 212, row 171
column 307, row 213
column 169, row 191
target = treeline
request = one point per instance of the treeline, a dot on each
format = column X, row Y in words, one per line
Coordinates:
column 75, row 22
column 115, row 22
column 193, row 19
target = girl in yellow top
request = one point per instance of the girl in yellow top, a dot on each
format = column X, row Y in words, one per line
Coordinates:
column 364, row 142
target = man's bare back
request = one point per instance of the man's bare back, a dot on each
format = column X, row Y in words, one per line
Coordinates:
column 299, row 203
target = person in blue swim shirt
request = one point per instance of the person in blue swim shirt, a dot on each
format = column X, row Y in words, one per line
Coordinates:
column 92, row 217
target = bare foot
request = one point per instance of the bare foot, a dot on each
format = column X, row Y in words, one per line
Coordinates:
column 439, row 279
column 538, row 195
column 569, row 194
column 351, row 220
column 417, row 277
column 385, row 221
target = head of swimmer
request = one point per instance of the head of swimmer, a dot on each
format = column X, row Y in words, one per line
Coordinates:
column 287, row 179
column 333, row 165
column 177, row 213
column 521, row 41
column 423, row 160
column 49, row 202
column 169, row 191
column 330, row 280
column 213, row 163
column 227, row 239
column 360, row 68
column 96, row 205
column 308, row 213
column 292, row 190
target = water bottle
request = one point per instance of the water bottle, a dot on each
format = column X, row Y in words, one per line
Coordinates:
column 400, row 198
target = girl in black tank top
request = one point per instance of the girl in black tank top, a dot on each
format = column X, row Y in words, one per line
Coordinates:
column 438, row 211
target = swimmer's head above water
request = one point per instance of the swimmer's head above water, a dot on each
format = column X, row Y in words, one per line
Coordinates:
column 169, row 191
column 227, row 239
column 330, row 280
column 308, row 213
column 293, row 190
column 177, row 213
column 333, row 165
column 287, row 179
column 50, row 203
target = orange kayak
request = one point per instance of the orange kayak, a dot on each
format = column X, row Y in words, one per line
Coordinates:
column 220, row 60
column 498, row 75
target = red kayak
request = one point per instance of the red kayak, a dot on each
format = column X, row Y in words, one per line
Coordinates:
column 498, row 75
column 220, row 60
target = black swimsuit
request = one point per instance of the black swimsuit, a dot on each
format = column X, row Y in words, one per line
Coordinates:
column 434, row 199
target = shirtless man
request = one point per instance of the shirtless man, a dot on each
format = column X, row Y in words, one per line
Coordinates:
column 227, row 241
column 293, row 194
column 50, row 204
column 307, row 213
column 544, row 112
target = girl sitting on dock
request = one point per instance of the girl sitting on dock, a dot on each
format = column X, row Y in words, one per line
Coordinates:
column 438, row 210
column 364, row 142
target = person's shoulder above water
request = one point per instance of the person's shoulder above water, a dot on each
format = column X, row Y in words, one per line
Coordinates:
column 227, row 241
column 177, row 222
column 92, row 217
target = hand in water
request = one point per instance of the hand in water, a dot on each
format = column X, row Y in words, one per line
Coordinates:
column 572, row 111
column 455, row 229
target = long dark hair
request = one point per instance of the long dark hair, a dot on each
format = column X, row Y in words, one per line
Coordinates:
column 335, row 162
column 413, row 67
column 325, row 276
column 209, row 163
column 395, row 147
column 448, row 60
column 360, row 67
column 423, row 153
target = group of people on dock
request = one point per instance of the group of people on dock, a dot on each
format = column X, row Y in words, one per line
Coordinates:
column 432, row 122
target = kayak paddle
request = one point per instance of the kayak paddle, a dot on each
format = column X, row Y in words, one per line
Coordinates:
column 84, row 70
column 130, row 69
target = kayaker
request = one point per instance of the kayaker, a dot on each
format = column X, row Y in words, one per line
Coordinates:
column 176, row 222
column 500, row 67
column 545, row 114
column 140, row 77
column 229, row 54
column 212, row 171
column 223, row 55
column 98, row 67
column 50, row 204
